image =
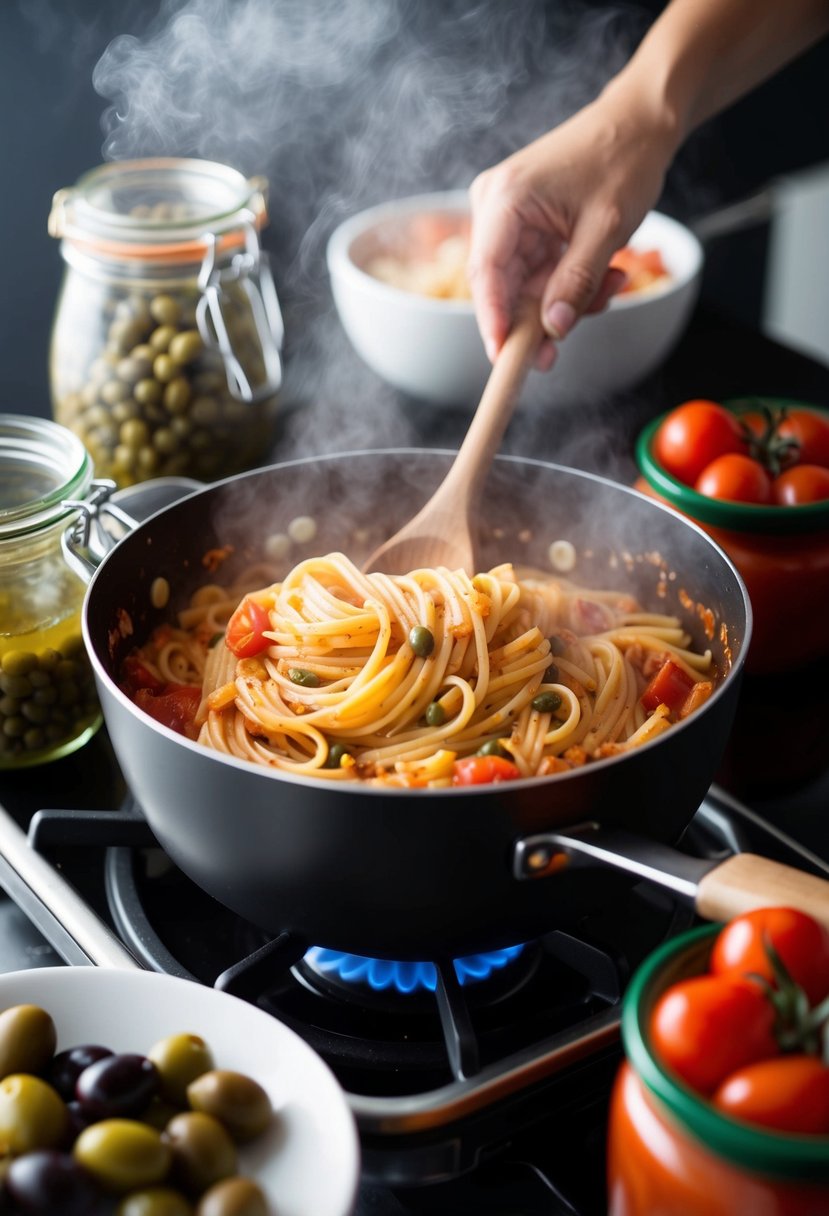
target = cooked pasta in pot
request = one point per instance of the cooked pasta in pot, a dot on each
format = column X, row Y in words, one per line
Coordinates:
column 429, row 679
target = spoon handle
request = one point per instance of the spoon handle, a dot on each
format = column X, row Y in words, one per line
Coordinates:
column 497, row 404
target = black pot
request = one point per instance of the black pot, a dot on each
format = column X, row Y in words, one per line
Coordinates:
column 387, row 872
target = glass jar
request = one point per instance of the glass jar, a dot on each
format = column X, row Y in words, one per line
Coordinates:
column 48, row 704
column 670, row 1151
column 165, row 352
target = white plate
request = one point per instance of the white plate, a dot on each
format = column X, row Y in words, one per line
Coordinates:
column 308, row 1163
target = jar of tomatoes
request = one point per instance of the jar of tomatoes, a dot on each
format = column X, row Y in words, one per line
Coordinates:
column 165, row 355
column 670, row 1150
column 781, row 548
column 48, row 704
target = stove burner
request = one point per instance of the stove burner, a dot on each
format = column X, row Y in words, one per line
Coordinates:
column 382, row 975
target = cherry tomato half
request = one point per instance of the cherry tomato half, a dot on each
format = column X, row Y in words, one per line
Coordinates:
column 800, row 484
column 246, row 627
column 789, row 1094
column 811, row 430
column 175, row 707
column 670, row 686
column 483, row 770
column 693, row 434
column 736, row 478
column 708, row 1026
column 801, row 943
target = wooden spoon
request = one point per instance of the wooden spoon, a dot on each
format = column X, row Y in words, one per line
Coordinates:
column 442, row 533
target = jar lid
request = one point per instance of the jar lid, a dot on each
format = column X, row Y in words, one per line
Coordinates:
column 170, row 207
column 42, row 465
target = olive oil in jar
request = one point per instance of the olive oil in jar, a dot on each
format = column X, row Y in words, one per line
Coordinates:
column 165, row 354
column 48, row 703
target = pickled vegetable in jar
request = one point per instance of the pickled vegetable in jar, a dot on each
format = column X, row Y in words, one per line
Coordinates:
column 165, row 353
column 48, row 703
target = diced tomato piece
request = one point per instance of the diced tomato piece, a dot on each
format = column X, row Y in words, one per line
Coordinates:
column 246, row 627
column 175, row 707
column 484, row 770
column 670, row 686
column 135, row 675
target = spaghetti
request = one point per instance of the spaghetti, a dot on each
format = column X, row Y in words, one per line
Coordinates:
column 347, row 676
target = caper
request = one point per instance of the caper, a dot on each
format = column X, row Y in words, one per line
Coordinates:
column 32, row 1114
column 165, row 310
column 123, row 1154
column 186, row 346
column 335, row 755
column 233, row 1197
column 238, row 1101
column 147, row 392
column 18, row 662
column 202, row 1151
column 27, row 1039
column 435, row 714
column 546, row 702
column 422, row 641
column 164, row 368
column 155, row 1201
column 180, row 1059
column 492, row 748
column 308, row 679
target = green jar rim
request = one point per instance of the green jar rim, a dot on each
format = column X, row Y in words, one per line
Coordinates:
column 772, row 1154
column 732, row 516
column 43, row 447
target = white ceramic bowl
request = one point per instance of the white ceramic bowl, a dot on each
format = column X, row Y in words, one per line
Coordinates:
column 308, row 1162
column 431, row 349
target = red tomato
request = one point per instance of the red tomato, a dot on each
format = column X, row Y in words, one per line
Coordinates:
column 801, row 943
column 693, row 434
column 708, row 1026
column 800, row 484
column 483, row 770
column 670, row 686
column 789, row 1094
column 735, row 477
column 246, row 627
column 136, row 675
column 811, row 429
column 175, row 707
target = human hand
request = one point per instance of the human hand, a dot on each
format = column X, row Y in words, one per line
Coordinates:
column 547, row 220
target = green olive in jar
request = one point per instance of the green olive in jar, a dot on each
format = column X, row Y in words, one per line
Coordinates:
column 28, row 1039
column 201, row 1149
column 32, row 1114
column 236, row 1100
column 123, row 1154
column 233, row 1197
column 180, row 1059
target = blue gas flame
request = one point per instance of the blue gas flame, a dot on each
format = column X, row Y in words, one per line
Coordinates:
column 382, row 974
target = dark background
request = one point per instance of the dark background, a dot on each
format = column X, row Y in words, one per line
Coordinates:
column 52, row 133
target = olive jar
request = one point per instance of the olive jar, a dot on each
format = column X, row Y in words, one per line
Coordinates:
column 48, row 703
column 165, row 356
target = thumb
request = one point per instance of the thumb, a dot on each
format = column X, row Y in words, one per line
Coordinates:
column 574, row 285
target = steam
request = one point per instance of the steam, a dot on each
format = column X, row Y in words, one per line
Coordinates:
column 346, row 103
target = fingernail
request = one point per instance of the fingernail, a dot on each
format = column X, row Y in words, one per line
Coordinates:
column 559, row 319
column 491, row 350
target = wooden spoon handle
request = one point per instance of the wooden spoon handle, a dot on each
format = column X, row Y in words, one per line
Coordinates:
column 498, row 401
column 746, row 881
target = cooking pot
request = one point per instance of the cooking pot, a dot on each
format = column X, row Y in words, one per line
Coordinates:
column 412, row 874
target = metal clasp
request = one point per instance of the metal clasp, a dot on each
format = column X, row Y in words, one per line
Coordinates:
column 98, row 527
column 251, row 270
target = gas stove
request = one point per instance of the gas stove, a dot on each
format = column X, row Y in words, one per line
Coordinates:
column 478, row 1085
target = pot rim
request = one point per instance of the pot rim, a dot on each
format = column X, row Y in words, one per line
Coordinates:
column 785, row 1155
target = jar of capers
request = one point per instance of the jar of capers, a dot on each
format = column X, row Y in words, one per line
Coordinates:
column 166, row 346
column 48, row 703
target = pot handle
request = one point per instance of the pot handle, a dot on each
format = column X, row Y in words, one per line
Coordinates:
column 107, row 515
column 717, row 890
